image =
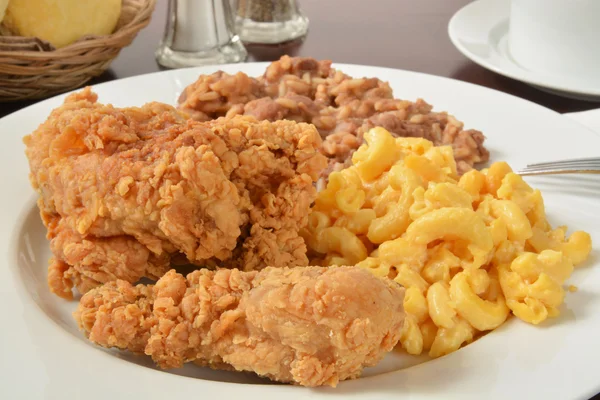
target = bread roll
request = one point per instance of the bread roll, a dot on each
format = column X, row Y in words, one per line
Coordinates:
column 3, row 5
column 62, row 22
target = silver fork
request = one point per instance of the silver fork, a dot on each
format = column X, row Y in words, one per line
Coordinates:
column 574, row 166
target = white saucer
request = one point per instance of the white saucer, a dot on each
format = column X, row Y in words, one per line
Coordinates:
column 480, row 32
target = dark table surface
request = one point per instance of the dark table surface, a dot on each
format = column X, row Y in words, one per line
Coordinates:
column 404, row 34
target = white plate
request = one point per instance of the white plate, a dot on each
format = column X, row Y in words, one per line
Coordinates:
column 480, row 32
column 42, row 355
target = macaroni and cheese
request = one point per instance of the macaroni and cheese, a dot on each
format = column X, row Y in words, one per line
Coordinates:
column 469, row 249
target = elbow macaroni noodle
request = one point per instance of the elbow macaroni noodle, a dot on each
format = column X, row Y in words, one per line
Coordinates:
column 469, row 250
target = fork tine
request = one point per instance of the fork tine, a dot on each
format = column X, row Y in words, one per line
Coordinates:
column 558, row 170
column 582, row 165
column 566, row 164
column 571, row 161
column 590, row 165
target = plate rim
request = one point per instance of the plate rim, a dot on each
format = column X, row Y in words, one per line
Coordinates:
column 288, row 389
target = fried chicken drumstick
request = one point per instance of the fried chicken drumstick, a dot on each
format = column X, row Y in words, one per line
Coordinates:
column 310, row 326
column 123, row 191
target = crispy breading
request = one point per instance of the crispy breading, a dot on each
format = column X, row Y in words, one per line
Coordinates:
column 122, row 190
column 310, row 326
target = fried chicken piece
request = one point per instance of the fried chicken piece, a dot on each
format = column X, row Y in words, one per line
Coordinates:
column 341, row 107
column 310, row 326
column 122, row 191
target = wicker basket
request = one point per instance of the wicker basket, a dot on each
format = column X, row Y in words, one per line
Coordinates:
column 31, row 68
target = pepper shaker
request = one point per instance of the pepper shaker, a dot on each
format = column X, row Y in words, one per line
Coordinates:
column 199, row 32
column 269, row 21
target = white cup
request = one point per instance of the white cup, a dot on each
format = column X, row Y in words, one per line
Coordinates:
column 558, row 37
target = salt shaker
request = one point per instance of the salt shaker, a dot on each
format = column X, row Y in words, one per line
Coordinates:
column 269, row 21
column 199, row 32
